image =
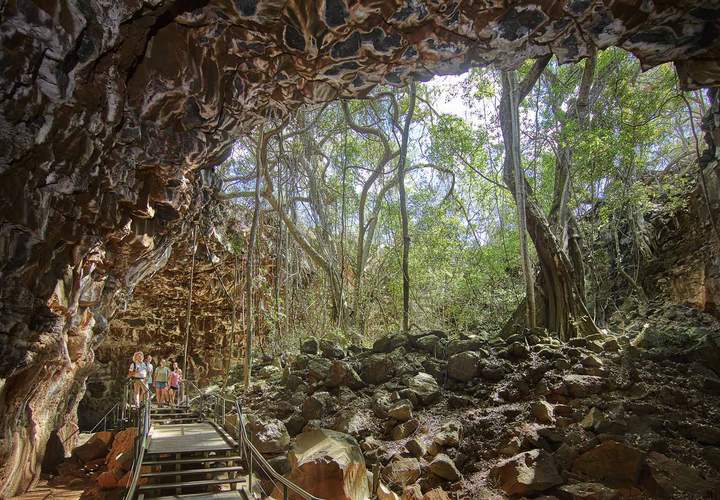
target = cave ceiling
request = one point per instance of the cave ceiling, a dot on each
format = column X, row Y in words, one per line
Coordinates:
column 112, row 111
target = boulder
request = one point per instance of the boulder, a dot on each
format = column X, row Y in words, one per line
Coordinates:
column 611, row 345
column 416, row 447
column 269, row 435
column 405, row 429
column 587, row 491
column 331, row 350
column 310, row 346
column 318, row 368
column 328, row 464
column 96, row 447
column 436, row 494
column 412, row 492
column 341, row 373
column 390, row 342
column 430, row 344
column 527, row 473
column 109, row 480
column 611, row 463
column 591, row 361
column 385, row 493
column 280, row 463
column 491, row 371
column 668, row 478
column 543, row 411
column 448, row 436
column 377, row 368
column 425, row 388
column 463, row 366
column 295, row 423
column 582, row 386
column 593, row 419
column 443, row 466
column 316, row 406
column 352, row 421
column 517, row 350
column 463, row 345
column 401, row 410
column 121, row 453
column 402, row 471
column 268, row 371
column 705, row 434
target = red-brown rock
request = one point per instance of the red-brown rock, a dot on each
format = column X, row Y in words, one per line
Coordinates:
column 527, row 473
column 611, row 463
column 96, row 447
column 328, row 464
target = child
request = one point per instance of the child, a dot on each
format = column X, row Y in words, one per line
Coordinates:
column 174, row 380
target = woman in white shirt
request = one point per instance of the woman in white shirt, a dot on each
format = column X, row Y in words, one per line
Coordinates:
column 138, row 373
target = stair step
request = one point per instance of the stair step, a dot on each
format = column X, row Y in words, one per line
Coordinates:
column 170, row 421
column 194, row 460
column 169, row 415
column 190, row 484
column 220, row 495
column 192, row 471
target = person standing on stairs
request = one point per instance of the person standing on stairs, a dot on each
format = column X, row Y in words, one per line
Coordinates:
column 150, row 373
column 162, row 373
column 174, row 381
column 138, row 373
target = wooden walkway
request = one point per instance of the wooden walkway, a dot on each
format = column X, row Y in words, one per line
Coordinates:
column 186, row 438
column 221, row 495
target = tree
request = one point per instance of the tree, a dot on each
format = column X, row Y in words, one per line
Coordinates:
column 403, row 208
column 564, row 310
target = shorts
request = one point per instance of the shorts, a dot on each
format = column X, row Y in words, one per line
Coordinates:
column 160, row 385
column 174, row 387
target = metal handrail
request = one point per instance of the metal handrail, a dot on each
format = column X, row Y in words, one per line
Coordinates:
column 247, row 449
column 250, row 453
column 141, row 443
column 103, row 420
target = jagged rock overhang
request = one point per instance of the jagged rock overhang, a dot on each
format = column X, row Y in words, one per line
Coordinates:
column 110, row 110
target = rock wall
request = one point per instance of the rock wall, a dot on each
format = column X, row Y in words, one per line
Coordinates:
column 685, row 268
column 109, row 110
column 154, row 321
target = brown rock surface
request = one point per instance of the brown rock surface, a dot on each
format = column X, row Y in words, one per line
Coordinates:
column 101, row 157
column 527, row 473
column 664, row 477
column 611, row 463
column 328, row 464
column 96, row 447
column 121, row 453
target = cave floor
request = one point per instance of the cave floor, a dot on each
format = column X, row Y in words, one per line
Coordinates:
column 43, row 491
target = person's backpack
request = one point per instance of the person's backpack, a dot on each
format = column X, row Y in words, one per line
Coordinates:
column 133, row 370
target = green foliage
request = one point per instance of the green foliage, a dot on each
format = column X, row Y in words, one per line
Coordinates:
column 464, row 262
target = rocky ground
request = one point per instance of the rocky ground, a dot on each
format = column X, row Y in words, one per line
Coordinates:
column 429, row 416
column 98, row 469
column 629, row 416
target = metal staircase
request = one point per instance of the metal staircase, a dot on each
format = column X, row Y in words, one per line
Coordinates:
column 187, row 460
column 187, row 452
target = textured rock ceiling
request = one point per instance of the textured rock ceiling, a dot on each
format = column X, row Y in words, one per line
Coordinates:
column 109, row 109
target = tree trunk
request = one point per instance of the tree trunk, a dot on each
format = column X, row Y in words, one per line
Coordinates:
column 509, row 85
column 563, row 308
column 250, row 275
column 403, row 210
column 189, row 305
